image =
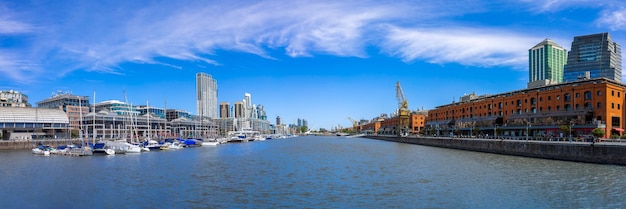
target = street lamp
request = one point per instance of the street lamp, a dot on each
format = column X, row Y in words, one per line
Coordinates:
column 495, row 133
column 571, row 124
column 527, row 127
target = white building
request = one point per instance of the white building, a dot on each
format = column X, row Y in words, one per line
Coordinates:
column 206, row 95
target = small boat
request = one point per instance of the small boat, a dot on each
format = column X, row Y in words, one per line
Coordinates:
column 192, row 143
column 102, row 148
column 210, row 142
column 175, row 145
column 42, row 150
column 165, row 146
column 152, row 145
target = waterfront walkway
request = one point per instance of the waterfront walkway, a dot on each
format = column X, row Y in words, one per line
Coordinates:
column 605, row 152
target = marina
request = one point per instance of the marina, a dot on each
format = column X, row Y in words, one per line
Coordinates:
column 308, row 171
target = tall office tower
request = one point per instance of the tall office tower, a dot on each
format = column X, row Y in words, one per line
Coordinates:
column 596, row 54
column 224, row 110
column 247, row 103
column 545, row 63
column 261, row 112
column 206, row 95
column 299, row 122
column 277, row 120
column 239, row 110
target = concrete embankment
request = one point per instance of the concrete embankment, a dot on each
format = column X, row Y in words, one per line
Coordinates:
column 29, row 144
column 602, row 153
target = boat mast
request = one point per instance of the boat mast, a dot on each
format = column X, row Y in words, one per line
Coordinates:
column 94, row 119
column 148, row 115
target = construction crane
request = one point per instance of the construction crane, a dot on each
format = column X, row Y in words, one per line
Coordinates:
column 403, row 111
column 355, row 124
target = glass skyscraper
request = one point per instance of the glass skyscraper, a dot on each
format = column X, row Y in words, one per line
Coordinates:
column 596, row 54
column 546, row 61
column 206, row 95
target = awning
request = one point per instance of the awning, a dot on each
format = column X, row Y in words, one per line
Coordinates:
column 618, row 129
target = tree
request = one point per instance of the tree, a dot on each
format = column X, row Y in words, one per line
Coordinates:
column 598, row 132
column 566, row 130
column 303, row 129
column 475, row 131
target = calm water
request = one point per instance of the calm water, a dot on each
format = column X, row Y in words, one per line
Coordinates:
column 307, row 172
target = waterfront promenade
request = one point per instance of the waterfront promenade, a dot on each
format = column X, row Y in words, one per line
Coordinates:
column 588, row 152
column 29, row 144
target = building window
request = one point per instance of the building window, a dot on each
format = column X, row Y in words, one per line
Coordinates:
column 612, row 105
column 588, row 106
column 519, row 111
column 558, row 107
column 577, row 106
column 599, row 105
column 541, row 99
column 500, row 105
column 534, row 110
column 615, row 121
column 549, row 108
column 587, row 95
column 533, row 101
column 612, row 93
column 558, row 97
column 549, row 98
column 577, row 95
column 599, row 93
column 618, row 94
column 568, row 107
column 618, row 106
column 519, row 103
column 567, row 97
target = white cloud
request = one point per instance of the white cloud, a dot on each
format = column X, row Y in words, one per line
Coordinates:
column 79, row 37
column 468, row 46
column 613, row 19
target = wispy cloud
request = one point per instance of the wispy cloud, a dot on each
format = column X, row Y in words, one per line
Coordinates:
column 613, row 19
column 476, row 47
column 78, row 37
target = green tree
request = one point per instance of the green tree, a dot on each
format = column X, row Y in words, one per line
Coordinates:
column 598, row 132
column 303, row 129
column 476, row 131
column 566, row 130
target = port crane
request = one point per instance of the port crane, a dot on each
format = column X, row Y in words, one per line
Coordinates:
column 403, row 111
column 355, row 124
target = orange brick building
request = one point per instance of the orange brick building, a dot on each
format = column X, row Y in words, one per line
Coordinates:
column 537, row 112
column 417, row 121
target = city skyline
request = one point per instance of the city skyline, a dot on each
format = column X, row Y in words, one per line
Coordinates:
column 322, row 60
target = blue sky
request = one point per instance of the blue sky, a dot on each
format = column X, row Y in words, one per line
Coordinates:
column 319, row 60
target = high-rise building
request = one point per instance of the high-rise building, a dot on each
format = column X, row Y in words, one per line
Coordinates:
column 224, row 110
column 239, row 110
column 247, row 105
column 545, row 63
column 206, row 95
column 277, row 120
column 596, row 54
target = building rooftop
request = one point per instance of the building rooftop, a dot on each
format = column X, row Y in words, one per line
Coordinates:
column 547, row 41
column 32, row 115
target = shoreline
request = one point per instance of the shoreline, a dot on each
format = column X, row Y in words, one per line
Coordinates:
column 613, row 153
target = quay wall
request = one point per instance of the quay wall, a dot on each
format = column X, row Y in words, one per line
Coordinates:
column 601, row 153
column 29, row 144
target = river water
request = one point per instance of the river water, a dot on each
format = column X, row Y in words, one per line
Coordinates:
column 307, row 172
